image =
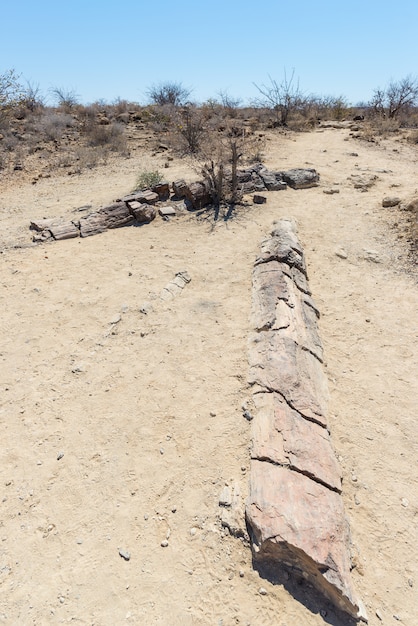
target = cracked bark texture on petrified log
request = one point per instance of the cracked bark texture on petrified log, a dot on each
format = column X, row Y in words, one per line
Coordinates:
column 295, row 510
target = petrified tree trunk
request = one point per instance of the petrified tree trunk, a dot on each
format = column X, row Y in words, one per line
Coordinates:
column 295, row 510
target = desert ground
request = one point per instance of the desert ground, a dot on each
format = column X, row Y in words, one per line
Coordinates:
column 121, row 413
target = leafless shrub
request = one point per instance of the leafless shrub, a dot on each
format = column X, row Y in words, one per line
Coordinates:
column 10, row 88
column 223, row 153
column 397, row 97
column 168, row 93
column 281, row 98
column 65, row 98
column 229, row 103
column 32, row 97
column 189, row 130
column 10, row 95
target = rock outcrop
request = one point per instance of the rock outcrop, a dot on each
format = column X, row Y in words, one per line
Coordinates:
column 295, row 511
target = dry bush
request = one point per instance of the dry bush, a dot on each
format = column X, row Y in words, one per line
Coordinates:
column 111, row 137
column 413, row 137
column 396, row 98
column 300, row 123
column 53, row 125
column 220, row 159
column 189, row 130
column 281, row 98
column 66, row 99
column 381, row 127
column 171, row 93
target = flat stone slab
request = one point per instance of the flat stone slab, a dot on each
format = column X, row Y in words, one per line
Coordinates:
column 167, row 211
column 300, row 178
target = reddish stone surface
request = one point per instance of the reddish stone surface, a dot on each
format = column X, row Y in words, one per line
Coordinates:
column 302, row 524
column 278, row 363
column 282, row 436
column 295, row 511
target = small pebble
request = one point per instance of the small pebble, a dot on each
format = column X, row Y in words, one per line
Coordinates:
column 379, row 614
column 323, row 613
column 241, row 573
column 404, row 502
column 262, row 591
column 60, row 455
column 248, row 416
column 356, row 500
column 161, row 450
column 146, row 516
column 174, row 509
column 124, row 554
column 341, row 253
column 164, row 543
column 62, row 600
column 410, row 582
column 231, row 576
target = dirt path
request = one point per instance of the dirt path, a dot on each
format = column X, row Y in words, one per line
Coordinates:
column 146, row 407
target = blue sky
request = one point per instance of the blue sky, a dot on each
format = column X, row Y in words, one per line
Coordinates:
column 108, row 49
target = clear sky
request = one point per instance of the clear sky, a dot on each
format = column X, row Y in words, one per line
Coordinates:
column 108, row 49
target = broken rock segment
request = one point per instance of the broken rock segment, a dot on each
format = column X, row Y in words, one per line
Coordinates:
column 295, row 510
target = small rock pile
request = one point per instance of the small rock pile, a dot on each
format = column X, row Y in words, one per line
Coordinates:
column 141, row 206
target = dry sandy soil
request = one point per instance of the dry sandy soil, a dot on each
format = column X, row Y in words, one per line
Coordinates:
column 120, row 428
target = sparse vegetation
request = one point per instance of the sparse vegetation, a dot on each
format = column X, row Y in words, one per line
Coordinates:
column 148, row 179
column 219, row 135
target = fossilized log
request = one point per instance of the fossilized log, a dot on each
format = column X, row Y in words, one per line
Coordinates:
column 295, row 510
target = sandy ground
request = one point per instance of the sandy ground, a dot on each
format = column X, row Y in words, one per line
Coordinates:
column 120, row 428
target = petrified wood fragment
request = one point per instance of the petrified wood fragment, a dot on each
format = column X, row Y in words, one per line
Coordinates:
column 295, row 510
